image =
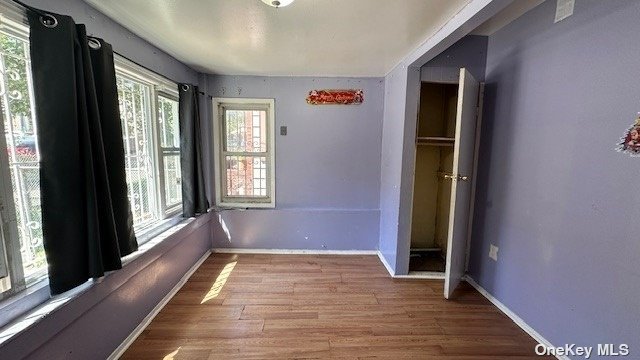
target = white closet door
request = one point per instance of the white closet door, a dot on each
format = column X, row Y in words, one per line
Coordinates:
column 463, row 157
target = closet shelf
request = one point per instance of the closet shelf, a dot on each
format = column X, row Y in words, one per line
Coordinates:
column 436, row 138
column 435, row 141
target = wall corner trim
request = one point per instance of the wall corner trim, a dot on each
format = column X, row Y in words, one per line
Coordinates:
column 386, row 264
column 119, row 351
column 516, row 319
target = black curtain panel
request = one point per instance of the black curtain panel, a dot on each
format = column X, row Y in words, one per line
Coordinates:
column 86, row 216
column 194, row 198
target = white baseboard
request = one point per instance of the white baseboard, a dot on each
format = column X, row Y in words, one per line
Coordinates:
column 117, row 353
column 426, row 275
column 386, row 264
column 293, row 251
column 516, row 319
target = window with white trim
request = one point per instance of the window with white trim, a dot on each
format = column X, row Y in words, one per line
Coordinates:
column 149, row 115
column 244, row 155
column 22, row 258
column 170, row 151
column 150, row 130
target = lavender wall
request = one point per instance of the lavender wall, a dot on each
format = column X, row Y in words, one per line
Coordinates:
column 402, row 93
column 94, row 323
column 553, row 194
column 327, row 167
column 391, row 162
column 470, row 52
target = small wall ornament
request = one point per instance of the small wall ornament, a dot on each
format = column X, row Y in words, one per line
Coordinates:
column 335, row 97
column 630, row 143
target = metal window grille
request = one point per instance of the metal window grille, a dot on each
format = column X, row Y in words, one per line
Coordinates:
column 135, row 112
column 20, row 136
column 149, row 112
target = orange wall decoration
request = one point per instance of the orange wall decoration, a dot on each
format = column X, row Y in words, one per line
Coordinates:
column 335, row 97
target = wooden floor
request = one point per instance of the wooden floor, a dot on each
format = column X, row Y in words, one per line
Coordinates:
column 320, row 307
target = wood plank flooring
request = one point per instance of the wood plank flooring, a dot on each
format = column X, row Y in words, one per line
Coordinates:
column 247, row 306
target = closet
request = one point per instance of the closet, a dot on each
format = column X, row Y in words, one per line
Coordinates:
column 432, row 190
column 447, row 138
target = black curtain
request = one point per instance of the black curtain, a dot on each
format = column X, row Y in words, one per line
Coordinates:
column 194, row 198
column 86, row 216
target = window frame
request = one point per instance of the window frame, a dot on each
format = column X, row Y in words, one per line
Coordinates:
column 158, row 86
column 22, row 294
column 220, row 105
column 13, row 22
column 167, row 209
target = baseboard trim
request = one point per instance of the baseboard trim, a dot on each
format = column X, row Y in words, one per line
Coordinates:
column 386, row 264
column 424, row 275
column 117, row 353
column 516, row 319
column 427, row 275
column 293, row 251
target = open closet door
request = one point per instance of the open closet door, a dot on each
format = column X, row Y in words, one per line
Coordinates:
column 463, row 157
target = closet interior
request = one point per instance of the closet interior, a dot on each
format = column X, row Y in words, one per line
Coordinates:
column 435, row 142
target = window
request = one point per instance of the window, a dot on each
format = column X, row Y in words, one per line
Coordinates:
column 149, row 114
column 135, row 111
column 244, row 156
column 22, row 258
column 170, row 150
column 150, row 130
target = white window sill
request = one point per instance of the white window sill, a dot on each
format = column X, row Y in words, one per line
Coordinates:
column 36, row 297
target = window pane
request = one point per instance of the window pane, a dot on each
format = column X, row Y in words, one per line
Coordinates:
column 168, row 121
column 246, row 176
column 24, row 160
column 245, row 130
column 172, row 180
column 135, row 114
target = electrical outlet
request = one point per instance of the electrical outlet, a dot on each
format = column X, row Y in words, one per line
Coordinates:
column 493, row 252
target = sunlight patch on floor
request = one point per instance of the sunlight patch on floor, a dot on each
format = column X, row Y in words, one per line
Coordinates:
column 219, row 283
column 172, row 355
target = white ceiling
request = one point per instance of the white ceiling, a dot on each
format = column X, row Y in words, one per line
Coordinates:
column 308, row 37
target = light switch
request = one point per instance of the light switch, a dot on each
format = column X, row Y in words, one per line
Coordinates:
column 493, row 252
column 283, row 130
column 564, row 9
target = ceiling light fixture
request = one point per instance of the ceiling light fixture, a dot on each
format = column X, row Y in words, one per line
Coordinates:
column 277, row 3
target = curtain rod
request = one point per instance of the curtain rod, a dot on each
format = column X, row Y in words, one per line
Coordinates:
column 151, row 70
column 42, row 13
